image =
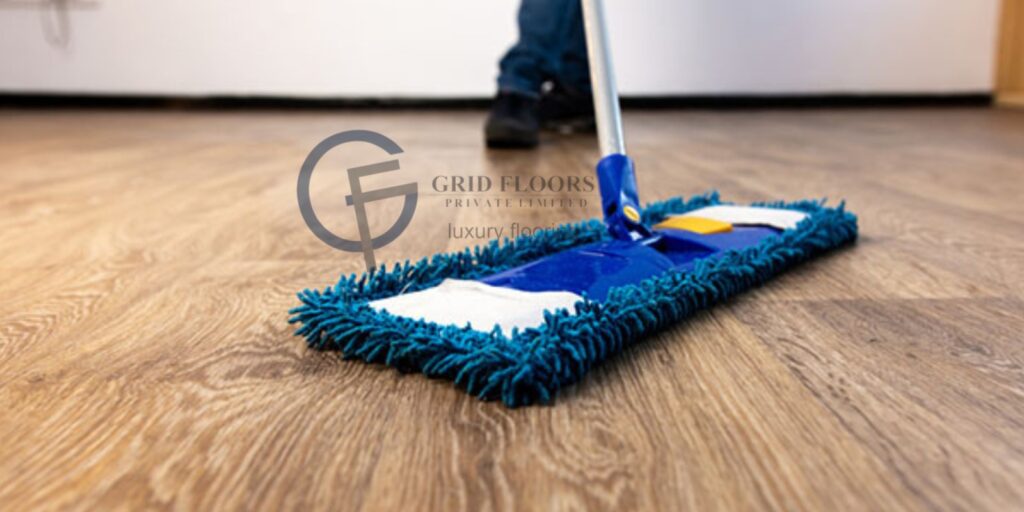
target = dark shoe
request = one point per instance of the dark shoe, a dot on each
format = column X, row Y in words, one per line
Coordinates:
column 513, row 122
column 568, row 110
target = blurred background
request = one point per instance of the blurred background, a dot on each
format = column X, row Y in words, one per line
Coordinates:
column 449, row 48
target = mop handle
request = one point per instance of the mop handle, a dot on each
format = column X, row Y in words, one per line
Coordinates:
column 602, row 80
column 615, row 173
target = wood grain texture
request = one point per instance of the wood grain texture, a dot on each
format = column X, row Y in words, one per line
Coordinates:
column 149, row 259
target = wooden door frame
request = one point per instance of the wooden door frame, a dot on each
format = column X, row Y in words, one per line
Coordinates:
column 1010, row 60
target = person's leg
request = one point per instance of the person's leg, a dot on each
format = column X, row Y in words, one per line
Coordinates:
column 544, row 29
column 544, row 26
column 574, row 71
column 569, row 105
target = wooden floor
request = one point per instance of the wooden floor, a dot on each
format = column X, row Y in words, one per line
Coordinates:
column 149, row 259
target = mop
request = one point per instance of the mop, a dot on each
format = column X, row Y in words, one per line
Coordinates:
column 520, row 319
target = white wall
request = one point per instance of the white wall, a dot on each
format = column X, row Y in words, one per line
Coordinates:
column 438, row 48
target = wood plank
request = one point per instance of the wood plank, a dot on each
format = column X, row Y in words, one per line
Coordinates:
column 933, row 387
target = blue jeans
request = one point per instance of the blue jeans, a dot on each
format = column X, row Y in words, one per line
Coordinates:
column 552, row 46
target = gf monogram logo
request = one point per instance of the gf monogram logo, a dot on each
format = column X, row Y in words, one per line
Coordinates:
column 358, row 198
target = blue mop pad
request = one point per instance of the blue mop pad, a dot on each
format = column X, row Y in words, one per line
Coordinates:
column 551, row 305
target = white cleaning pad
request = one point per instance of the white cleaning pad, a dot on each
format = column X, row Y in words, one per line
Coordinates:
column 458, row 302
column 774, row 217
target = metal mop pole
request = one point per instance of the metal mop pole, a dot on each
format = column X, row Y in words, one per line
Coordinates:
column 602, row 80
column 615, row 174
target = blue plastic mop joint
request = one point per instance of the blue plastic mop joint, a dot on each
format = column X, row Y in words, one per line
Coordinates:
column 616, row 177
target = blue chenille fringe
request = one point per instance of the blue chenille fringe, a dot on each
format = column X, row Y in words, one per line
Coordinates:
column 529, row 366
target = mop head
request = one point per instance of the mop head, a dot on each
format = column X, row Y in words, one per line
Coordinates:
column 533, row 341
